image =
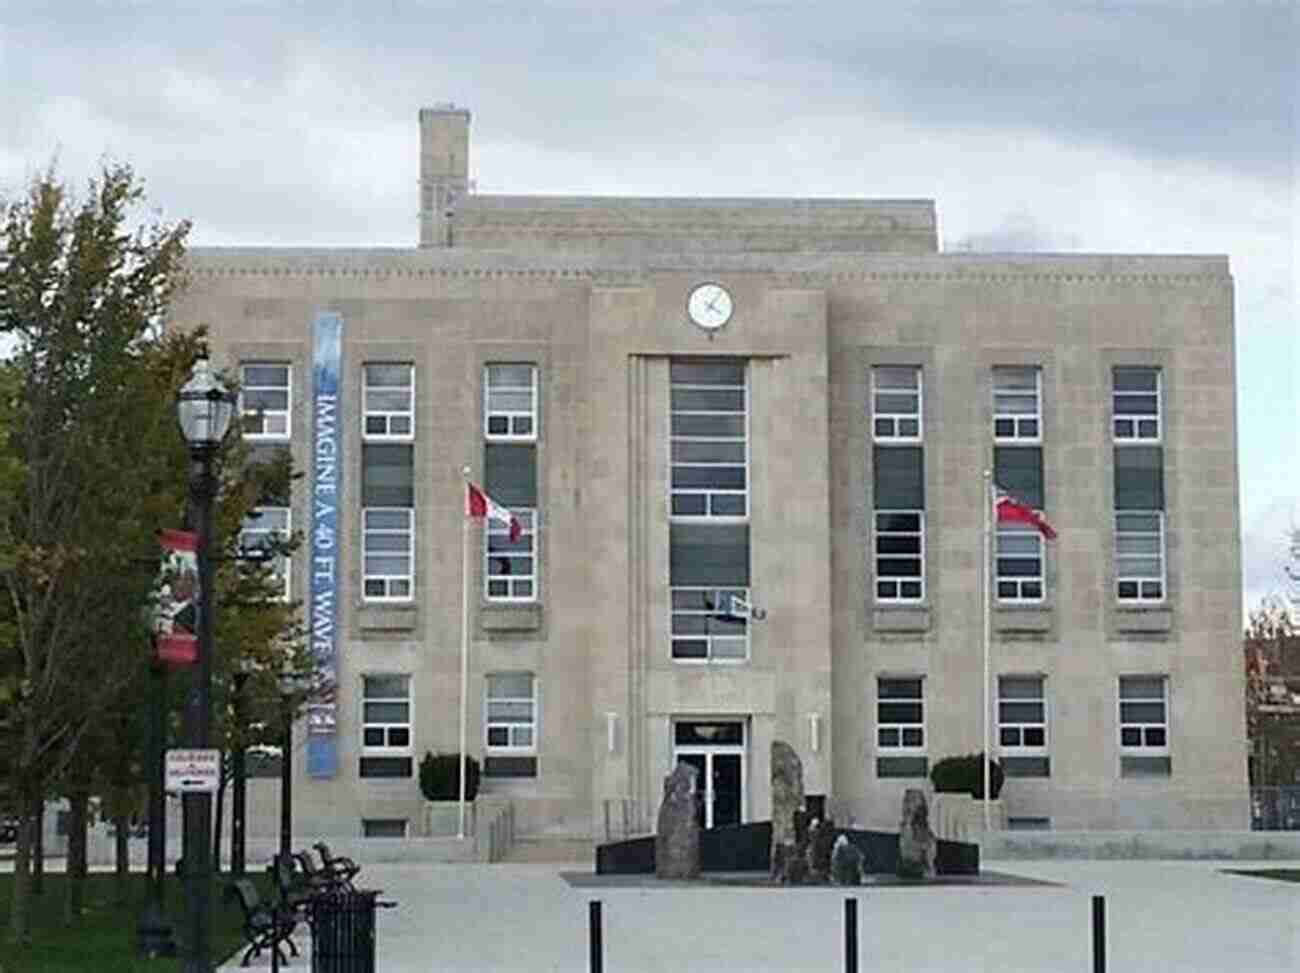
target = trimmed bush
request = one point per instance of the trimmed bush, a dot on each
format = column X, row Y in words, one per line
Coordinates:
column 440, row 777
column 965, row 775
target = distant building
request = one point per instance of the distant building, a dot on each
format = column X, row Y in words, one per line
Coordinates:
column 703, row 407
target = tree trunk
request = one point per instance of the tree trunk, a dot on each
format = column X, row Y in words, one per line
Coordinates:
column 122, row 858
column 28, row 824
column 37, row 886
column 78, row 804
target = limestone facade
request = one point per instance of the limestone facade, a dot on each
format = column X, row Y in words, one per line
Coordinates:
column 593, row 293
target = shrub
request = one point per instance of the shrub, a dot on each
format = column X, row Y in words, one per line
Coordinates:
column 440, row 777
column 965, row 775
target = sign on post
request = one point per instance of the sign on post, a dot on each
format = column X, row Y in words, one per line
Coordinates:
column 192, row 771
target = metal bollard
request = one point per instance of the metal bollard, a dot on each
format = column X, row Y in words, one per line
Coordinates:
column 851, row 935
column 594, row 937
column 1098, row 934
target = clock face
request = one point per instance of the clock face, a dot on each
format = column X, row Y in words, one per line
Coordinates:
column 709, row 306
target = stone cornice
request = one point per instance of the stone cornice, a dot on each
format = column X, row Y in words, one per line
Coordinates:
column 798, row 270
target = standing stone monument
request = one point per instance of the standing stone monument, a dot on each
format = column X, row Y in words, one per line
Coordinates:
column 916, row 842
column 787, row 801
column 677, row 834
column 846, row 862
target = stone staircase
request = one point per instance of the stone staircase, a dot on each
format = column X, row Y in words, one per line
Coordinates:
column 579, row 851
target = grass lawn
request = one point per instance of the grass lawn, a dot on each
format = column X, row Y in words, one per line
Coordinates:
column 1280, row 874
column 104, row 940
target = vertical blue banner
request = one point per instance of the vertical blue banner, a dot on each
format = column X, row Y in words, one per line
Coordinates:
column 326, row 490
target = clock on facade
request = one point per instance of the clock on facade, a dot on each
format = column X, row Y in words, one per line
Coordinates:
column 709, row 306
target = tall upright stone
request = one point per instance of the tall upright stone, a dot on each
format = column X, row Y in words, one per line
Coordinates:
column 787, row 800
column 677, row 833
column 916, row 842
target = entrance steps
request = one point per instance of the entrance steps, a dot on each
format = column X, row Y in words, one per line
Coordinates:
column 553, row 850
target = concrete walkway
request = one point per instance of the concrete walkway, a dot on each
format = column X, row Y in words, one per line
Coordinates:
column 1181, row 917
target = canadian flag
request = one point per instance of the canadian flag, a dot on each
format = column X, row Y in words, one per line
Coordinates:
column 1011, row 510
column 479, row 505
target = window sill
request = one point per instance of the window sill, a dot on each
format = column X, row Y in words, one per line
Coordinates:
column 393, row 617
column 1022, row 618
column 511, row 617
column 900, row 618
column 1144, row 618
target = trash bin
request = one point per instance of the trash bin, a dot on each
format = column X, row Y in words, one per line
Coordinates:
column 343, row 931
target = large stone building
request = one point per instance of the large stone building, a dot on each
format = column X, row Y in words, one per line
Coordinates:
column 746, row 439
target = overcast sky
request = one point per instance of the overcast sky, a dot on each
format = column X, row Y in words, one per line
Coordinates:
column 1165, row 126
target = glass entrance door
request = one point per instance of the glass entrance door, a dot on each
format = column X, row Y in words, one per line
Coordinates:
column 717, row 752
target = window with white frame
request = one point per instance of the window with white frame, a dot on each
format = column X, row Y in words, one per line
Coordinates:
column 1140, row 555
column 1019, row 564
column 900, row 715
column 1143, row 716
column 388, row 398
column 1135, row 404
column 709, row 438
column 510, row 402
column 388, row 553
column 510, row 567
column 264, row 527
column 1022, row 715
column 386, row 714
column 1017, row 403
column 900, row 555
column 265, row 395
column 511, row 712
column 706, row 628
column 896, row 403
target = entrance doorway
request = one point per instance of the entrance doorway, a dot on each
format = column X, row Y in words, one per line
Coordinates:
column 716, row 749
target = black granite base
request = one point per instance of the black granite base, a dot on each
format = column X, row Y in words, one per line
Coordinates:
column 746, row 848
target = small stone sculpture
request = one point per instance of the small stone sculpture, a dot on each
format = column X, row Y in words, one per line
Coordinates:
column 787, row 801
column 916, row 841
column 846, row 862
column 677, row 835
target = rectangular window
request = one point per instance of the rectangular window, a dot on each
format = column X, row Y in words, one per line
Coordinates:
column 1022, row 715
column 1019, row 563
column 510, row 402
column 388, row 394
column 900, row 727
column 510, row 567
column 264, row 400
column 511, row 717
column 896, row 403
column 1017, row 404
column 1144, row 726
column 900, row 555
column 1140, row 555
column 709, row 439
column 383, row 827
column 388, row 553
column 1135, row 404
column 706, row 628
column 263, row 527
column 386, row 714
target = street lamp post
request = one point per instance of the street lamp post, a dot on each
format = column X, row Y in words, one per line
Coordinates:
column 288, row 686
column 238, row 767
column 204, row 410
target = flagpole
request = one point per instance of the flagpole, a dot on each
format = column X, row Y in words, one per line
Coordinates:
column 986, row 593
column 464, row 655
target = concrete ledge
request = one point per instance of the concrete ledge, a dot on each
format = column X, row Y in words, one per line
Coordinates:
column 1124, row 845
column 1035, row 619
column 901, row 619
column 1146, row 620
column 387, row 618
column 510, row 618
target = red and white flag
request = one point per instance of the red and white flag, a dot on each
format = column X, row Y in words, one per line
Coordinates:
column 1012, row 511
column 479, row 505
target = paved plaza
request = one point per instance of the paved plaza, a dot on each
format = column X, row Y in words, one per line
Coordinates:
column 1175, row 916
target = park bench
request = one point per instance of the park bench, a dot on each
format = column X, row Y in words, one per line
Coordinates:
column 265, row 926
column 319, row 878
column 339, row 865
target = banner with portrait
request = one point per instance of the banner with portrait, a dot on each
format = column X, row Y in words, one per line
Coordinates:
column 176, row 599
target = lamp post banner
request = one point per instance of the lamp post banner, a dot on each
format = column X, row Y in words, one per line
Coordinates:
column 326, row 484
